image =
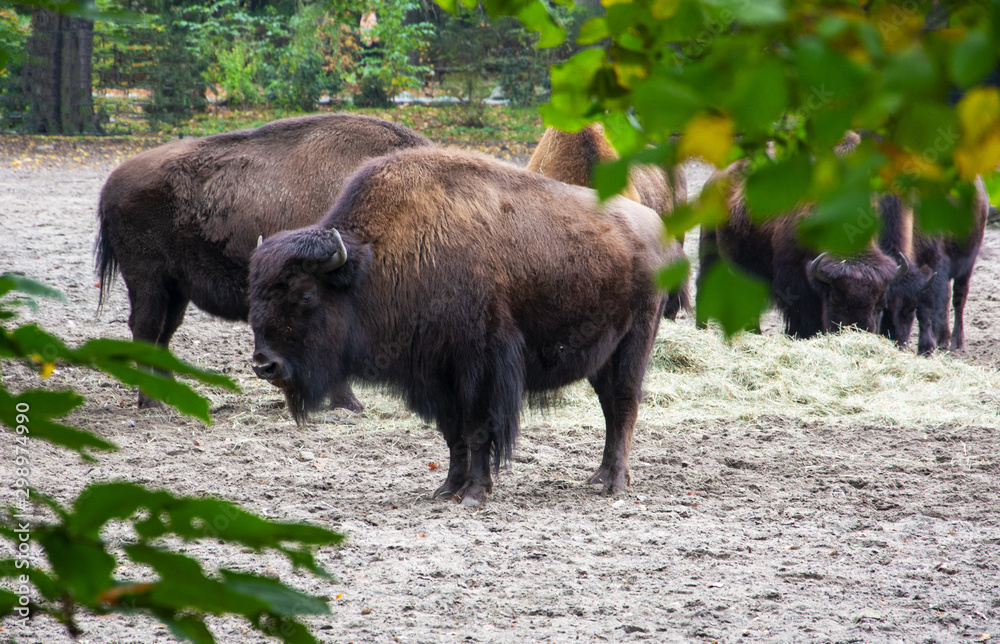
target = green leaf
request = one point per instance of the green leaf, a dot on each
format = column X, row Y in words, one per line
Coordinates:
column 622, row 134
column 911, row 71
column 777, row 188
column 183, row 584
column 843, row 224
column 174, row 393
column 664, row 105
column 31, row 340
column 732, row 297
column 760, row 96
column 8, row 601
column 571, row 81
column 671, row 276
column 758, row 12
column 13, row 282
column 185, row 626
column 537, row 17
column 592, row 31
column 689, row 215
column 148, row 355
column 610, row 178
column 43, row 406
column 289, row 630
column 45, row 585
column 927, row 128
column 941, row 214
column 81, row 565
column 279, row 598
column 971, row 58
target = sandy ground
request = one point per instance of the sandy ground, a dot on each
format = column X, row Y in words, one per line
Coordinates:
column 765, row 529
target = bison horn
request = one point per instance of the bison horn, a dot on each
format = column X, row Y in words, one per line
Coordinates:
column 260, row 240
column 816, row 272
column 902, row 266
column 337, row 259
column 927, row 284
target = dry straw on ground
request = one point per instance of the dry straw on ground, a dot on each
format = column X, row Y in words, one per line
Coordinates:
column 847, row 378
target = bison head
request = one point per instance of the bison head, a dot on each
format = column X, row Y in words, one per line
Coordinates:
column 902, row 298
column 301, row 293
column 854, row 290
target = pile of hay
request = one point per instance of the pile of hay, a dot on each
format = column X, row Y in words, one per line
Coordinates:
column 852, row 376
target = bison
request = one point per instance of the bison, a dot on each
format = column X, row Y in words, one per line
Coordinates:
column 912, row 295
column 950, row 259
column 814, row 291
column 463, row 284
column 572, row 157
column 181, row 221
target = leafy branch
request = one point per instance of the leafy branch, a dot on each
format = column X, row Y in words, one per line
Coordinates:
column 80, row 571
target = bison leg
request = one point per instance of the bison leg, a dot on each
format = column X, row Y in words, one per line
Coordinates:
column 458, row 466
column 479, row 481
column 342, row 397
column 157, row 311
column 942, row 330
column 619, row 388
column 960, row 294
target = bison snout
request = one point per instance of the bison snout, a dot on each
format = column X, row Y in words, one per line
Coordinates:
column 269, row 368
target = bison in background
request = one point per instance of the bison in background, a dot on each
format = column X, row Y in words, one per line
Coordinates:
column 916, row 293
column 181, row 221
column 951, row 260
column 814, row 291
column 463, row 284
column 572, row 157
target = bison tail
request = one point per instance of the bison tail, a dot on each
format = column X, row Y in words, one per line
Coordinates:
column 106, row 264
column 677, row 301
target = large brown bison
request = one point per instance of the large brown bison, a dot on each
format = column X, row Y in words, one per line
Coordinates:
column 815, row 292
column 181, row 221
column 463, row 284
column 948, row 260
column 572, row 157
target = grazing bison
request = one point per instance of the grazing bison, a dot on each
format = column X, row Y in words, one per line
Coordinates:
column 946, row 259
column 181, row 221
column 911, row 296
column 815, row 292
column 463, row 284
column 571, row 158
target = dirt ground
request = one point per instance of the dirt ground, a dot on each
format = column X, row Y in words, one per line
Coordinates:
column 764, row 529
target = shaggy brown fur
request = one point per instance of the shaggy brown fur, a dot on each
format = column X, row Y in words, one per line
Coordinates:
column 836, row 293
column 572, row 157
column 181, row 221
column 468, row 283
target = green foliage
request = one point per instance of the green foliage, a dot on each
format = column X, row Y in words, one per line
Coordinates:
column 388, row 67
column 719, row 79
column 81, row 568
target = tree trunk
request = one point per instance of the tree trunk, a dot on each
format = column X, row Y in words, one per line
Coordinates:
column 57, row 74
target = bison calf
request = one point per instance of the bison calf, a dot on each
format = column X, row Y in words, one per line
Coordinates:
column 181, row 221
column 463, row 284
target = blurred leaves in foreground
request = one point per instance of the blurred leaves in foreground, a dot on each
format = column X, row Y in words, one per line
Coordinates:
column 719, row 79
column 81, row 572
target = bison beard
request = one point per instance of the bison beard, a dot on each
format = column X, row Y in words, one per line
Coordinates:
column 467, row 284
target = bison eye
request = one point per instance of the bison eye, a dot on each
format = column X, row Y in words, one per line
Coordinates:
column 308, row 295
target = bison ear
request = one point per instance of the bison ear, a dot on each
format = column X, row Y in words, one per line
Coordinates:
column 359, row 259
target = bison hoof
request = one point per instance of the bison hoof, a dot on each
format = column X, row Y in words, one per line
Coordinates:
column 473, row 493
column 447, row 490
column 614, row 483
column 348, row 402
column 602, row 475
column 145, row 402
